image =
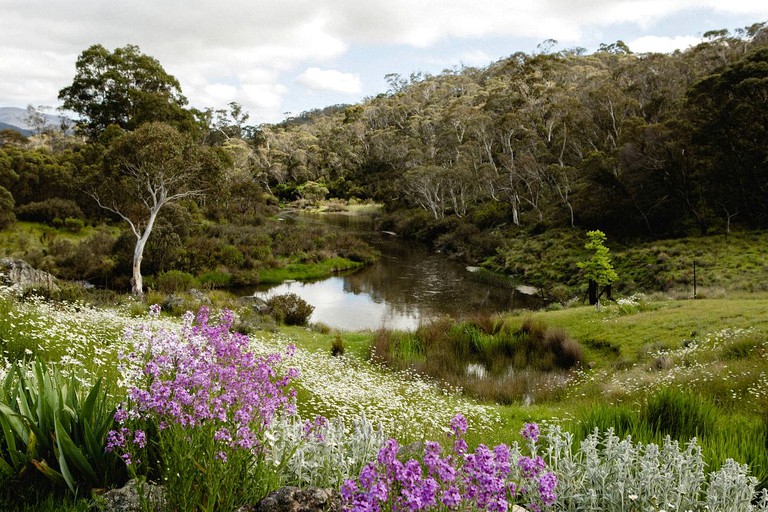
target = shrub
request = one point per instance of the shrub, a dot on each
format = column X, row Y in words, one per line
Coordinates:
column 487, row 479
column 337, row 346
column 611, row 474
column 7, row 204
column 175, row 281
column 48, row 210
column 73, row 225
column 214, row 279
column 322, row 453
column 289, row 309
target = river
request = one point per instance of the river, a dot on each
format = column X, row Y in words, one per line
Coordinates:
column 406, row 286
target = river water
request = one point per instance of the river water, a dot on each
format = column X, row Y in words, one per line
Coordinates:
column 407, row 286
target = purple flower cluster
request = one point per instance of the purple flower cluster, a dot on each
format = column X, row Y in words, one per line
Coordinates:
column 205, row 375
column 486, row 479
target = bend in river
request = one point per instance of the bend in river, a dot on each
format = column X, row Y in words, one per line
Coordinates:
column 407, row 286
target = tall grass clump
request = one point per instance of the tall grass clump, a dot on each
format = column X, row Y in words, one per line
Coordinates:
column 679, row 414
column 485, row 357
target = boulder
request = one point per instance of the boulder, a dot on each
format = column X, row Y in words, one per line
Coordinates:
column 128, row 499
column 21, row 274
column 295, row 499
column 256, row 303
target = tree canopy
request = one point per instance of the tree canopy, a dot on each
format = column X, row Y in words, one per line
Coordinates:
column 124, row 87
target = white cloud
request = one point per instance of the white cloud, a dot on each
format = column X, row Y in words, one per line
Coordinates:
column 250, row 49
column 330, row 80
column 656, row 44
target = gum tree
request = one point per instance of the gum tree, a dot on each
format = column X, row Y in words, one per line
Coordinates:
column 152, row 166
column 123, row 87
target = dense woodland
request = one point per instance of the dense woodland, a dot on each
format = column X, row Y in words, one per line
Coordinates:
column 641, row 146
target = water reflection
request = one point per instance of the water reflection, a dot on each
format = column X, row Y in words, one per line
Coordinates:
column 406, row 286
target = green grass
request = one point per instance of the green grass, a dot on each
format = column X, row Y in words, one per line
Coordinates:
column 24, row 237
column 308, row 271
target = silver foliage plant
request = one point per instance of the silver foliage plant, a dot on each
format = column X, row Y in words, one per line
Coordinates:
column 322, row 453
column 609, row 474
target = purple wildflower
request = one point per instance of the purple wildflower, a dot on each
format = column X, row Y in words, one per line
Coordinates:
column 203, row 376
column 459, row 425
column 531, row 432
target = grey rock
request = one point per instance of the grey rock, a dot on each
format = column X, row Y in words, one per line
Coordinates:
column 199, row 296
column 21, row 274
column 128, row 498
column 295, row 499
column 256, row 303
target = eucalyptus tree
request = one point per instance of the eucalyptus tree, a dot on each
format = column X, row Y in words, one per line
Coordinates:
column 123, row 87
column 729, row 113
column 152, row 166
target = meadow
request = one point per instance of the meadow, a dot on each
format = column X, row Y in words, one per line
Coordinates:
column 652, row 373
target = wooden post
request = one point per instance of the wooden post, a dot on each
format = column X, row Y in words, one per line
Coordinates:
column 694, row 279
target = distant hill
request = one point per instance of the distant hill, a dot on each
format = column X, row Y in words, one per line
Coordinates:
column 7, row 126
column 14, row 118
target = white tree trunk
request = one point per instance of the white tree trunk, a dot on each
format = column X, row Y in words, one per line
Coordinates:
column 137, row 281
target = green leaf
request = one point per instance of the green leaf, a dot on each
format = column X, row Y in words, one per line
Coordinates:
column 50, row 473
column 10, row 441
column 94, row 449
column 6, row 469
column 70, row 451
column 87, row 410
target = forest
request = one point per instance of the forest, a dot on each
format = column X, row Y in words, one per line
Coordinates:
column 476, row 162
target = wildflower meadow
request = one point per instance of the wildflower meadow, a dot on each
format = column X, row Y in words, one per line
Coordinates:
column 217, row 419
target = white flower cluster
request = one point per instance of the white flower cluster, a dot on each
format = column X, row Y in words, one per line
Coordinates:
column 405, row 405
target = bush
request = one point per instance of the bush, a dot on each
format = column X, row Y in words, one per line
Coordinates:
column 198, row 411
column 289, row 309
column 73, row 225
column 175, row 281
column 49, row 210
column 337, row 346
column 612, row 474
column 6, row 208
column 214, row 279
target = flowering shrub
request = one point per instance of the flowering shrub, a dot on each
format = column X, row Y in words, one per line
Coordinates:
column 207, row 401
column 486, row 479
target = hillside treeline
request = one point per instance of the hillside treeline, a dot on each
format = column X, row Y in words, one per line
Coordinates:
column 639, row 145
column 472, row 160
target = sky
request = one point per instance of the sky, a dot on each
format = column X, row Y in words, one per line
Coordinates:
column 279, row 58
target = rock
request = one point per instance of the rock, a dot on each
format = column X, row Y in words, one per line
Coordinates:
column 21, row 274
column 199, row 296
column 174, row 302
column 256, row 303
column 295, row 499
column 127, row 498
column 527, row 290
